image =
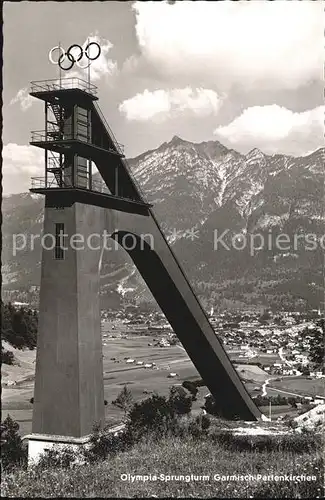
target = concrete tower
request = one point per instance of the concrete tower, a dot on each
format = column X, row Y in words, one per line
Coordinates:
column 69, row 377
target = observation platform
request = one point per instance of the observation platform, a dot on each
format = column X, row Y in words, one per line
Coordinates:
column 54, row 90
column 61, row 143
column 97, row 194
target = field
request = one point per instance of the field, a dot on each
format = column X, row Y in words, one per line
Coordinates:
column 252, row 372
column 279, row 410
column 299, row 385
column 141, row 381
column 263, row 358
column 16, row 399
column 117, row 373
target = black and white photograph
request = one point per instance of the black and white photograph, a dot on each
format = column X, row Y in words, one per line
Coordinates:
column 163, row 237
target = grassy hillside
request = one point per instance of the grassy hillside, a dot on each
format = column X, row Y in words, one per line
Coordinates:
column 175, row 456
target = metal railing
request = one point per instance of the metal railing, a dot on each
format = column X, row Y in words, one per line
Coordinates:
column 120, row 149
column 54, row 134
column 46, row 135
column 66, row 182
column 135, row 182
column 64, row 84
column 51, row 182
column 43, row 183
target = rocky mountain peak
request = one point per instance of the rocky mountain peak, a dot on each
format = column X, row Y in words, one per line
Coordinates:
column 197, row 188
column 255, row 154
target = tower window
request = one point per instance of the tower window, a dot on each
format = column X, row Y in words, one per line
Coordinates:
column 58, row 250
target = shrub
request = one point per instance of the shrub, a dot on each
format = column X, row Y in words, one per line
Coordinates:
column 152, row 415
column 210, row 406
column 13, row 451
column 199, row 428
column 293, row 424
column 104, row 444
column 179, row 401
column 191, row 387
column 63, row 458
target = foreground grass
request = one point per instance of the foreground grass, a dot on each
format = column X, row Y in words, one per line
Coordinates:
column 173, row 457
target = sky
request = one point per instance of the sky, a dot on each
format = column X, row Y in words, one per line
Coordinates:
column 248, row 74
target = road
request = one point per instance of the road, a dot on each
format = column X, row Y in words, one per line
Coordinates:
column 282, row 357
column 264, row 392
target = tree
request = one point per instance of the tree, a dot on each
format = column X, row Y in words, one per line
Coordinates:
column 124, row 400
column 7, row 357
column 305, row 371
column 292, row 402
column 19, row 326
column 12, row 451
column 317, row 343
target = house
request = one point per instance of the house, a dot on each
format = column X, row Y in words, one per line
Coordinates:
column 164, row 343
column 287, row 372
column 302, row 358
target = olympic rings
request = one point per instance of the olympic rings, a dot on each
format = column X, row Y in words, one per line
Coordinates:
column 73, row 58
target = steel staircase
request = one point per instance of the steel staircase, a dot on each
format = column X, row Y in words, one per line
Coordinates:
column 57, row 113
column 58, row 175
column 56, row 169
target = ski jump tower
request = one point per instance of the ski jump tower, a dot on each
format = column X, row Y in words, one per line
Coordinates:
column 69, row 395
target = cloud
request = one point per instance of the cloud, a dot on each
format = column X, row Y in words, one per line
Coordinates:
column 269, row 45
column 23, row 98
column 103, row 66
column 160, row 105
column 275, row 129
column 20, row 163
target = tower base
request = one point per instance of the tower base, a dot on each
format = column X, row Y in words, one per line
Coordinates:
column 38, row 444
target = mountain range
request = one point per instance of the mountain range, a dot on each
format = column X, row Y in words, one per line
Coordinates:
column 201, row 191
